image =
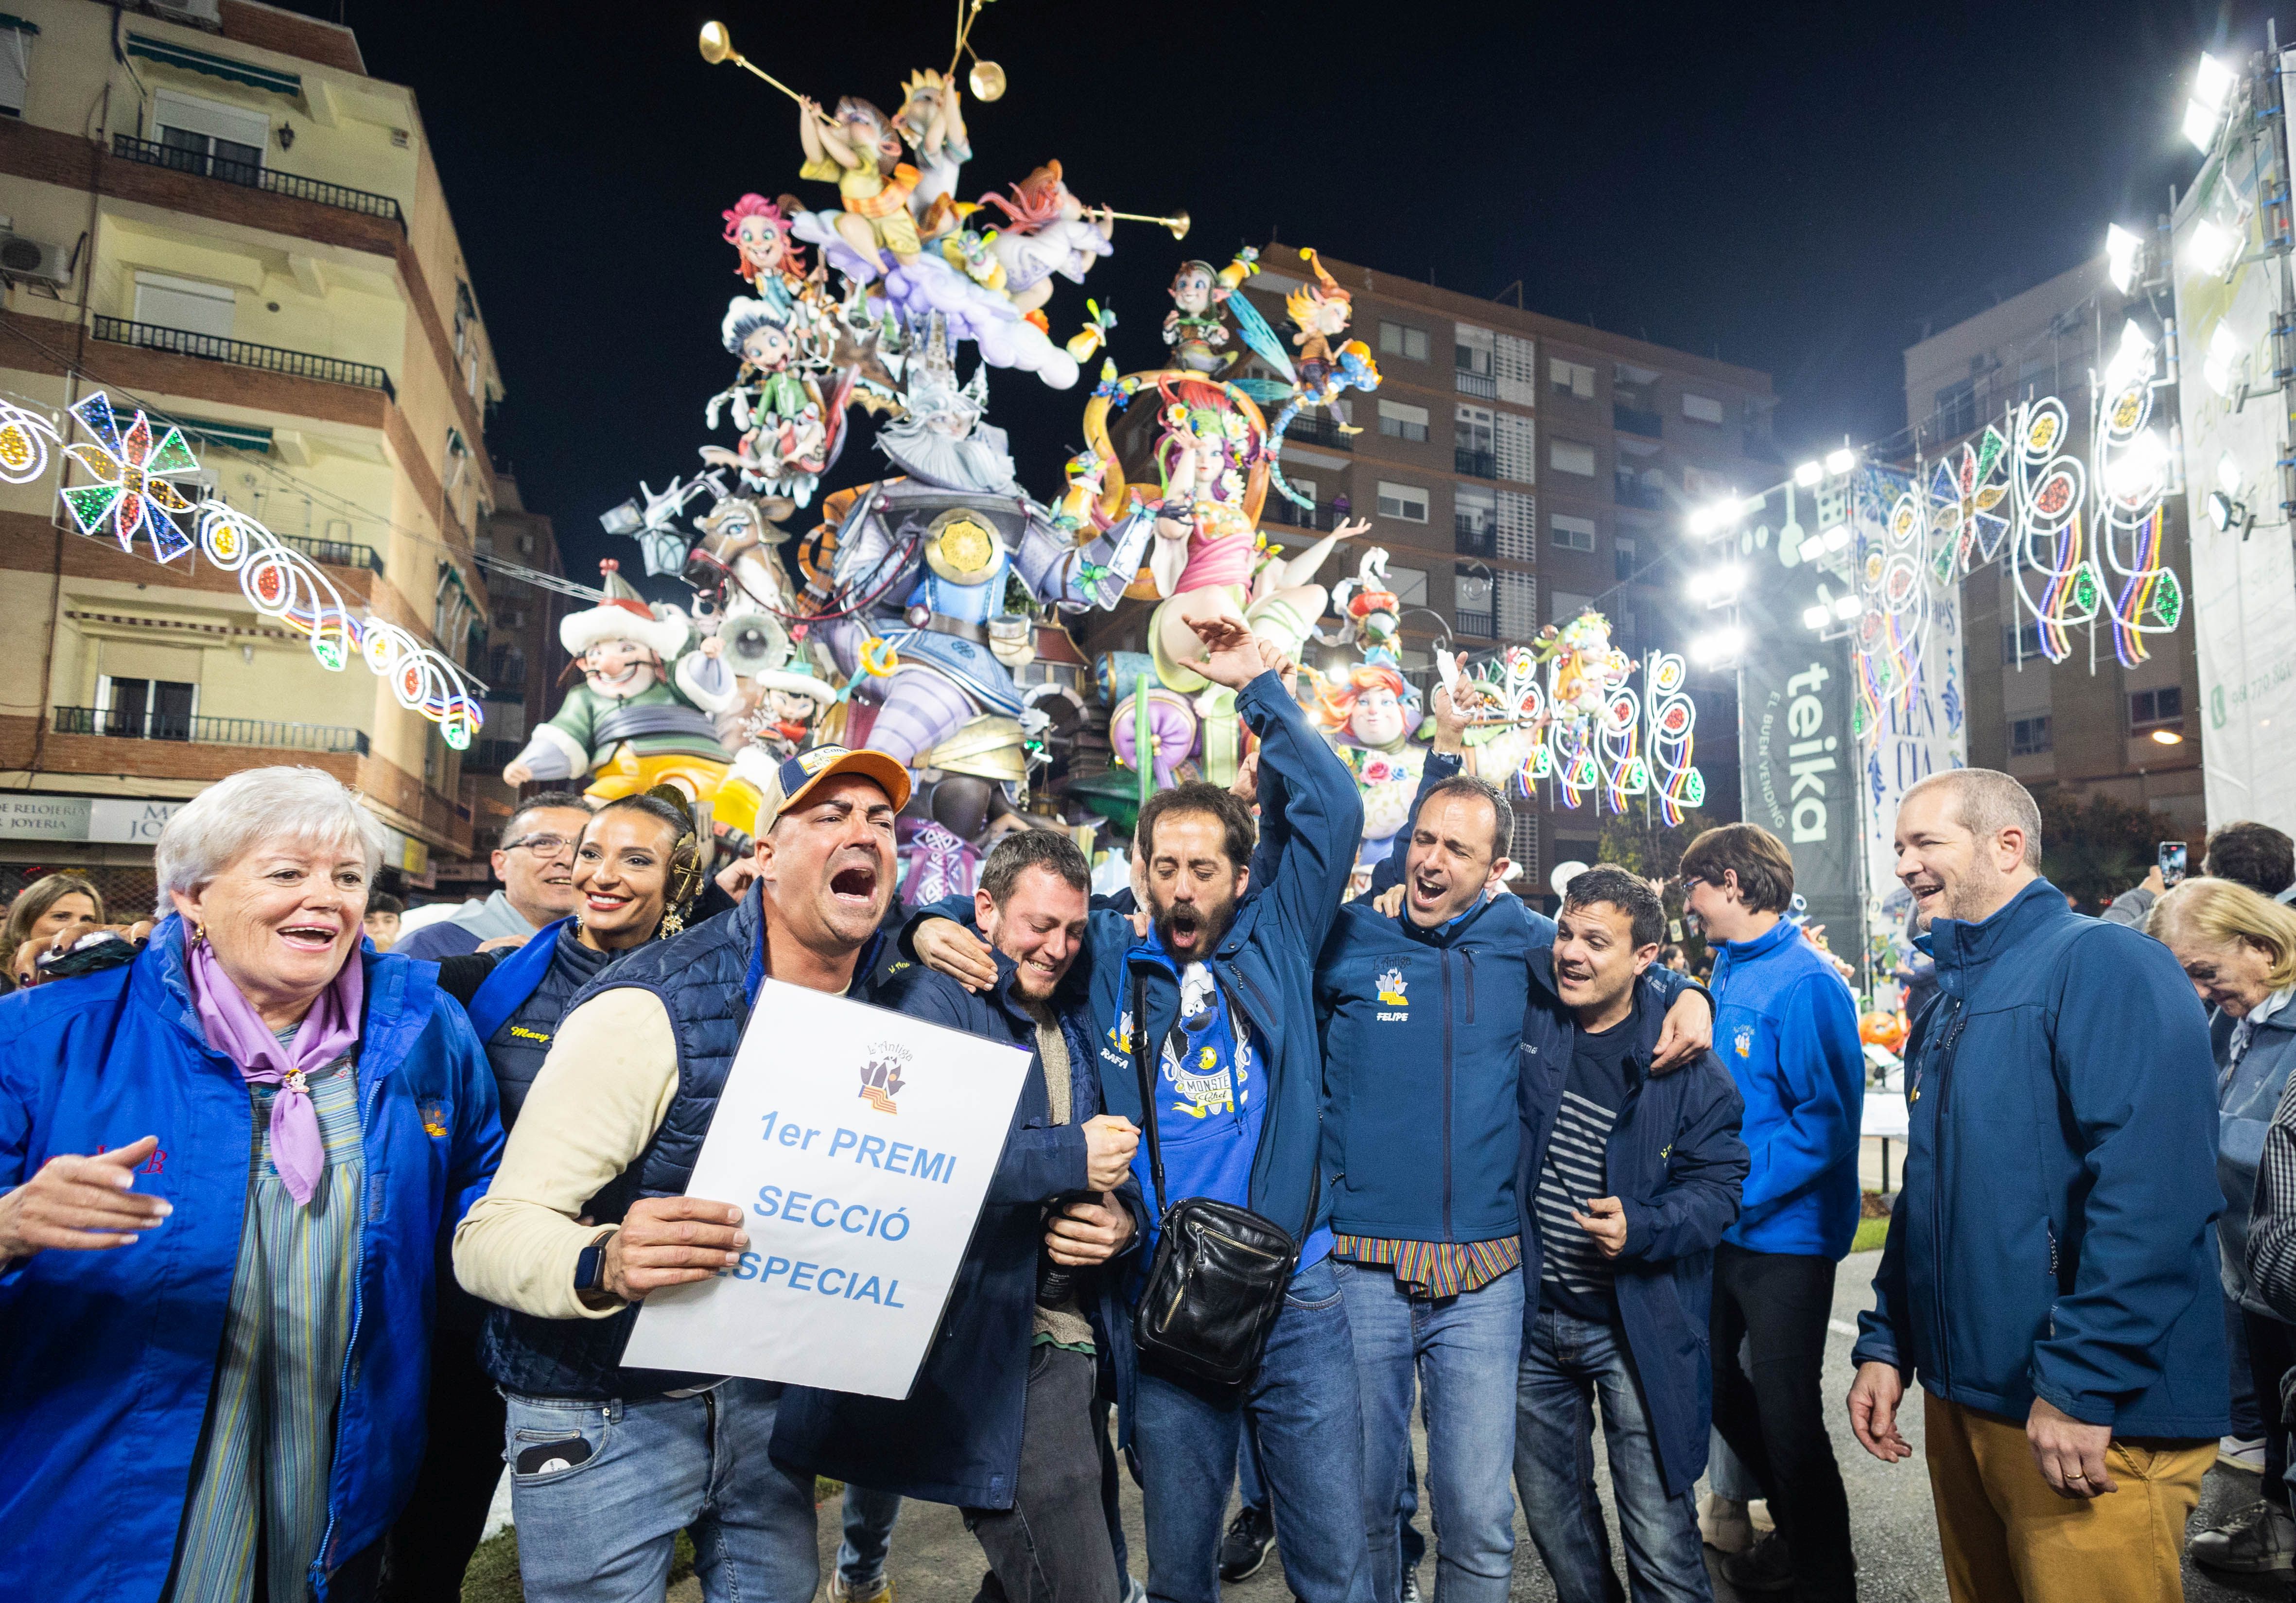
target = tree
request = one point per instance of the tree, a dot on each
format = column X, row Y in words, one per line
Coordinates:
column 2094, row 852
column 1647, row 845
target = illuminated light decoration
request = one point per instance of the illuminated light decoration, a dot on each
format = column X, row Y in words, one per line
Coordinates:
column 132, row 494
column 1966, row 491
column 28, row 442
column 1893, row 630
column 2121, row 250
column 1671, row 718
column 2132, row 517
column 2052, row 539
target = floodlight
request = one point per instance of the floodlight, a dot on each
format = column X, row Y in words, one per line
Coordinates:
column 2136, row 470
column 2210, row 246
column 2224, row 350
column 2228, row 474
column 2212, row 83
column 2134, row 356
column 2121, row 250
column 1840, row 462
column 2226, row 513
column 2169, row 737
column 1845, row 607
column 1717, row 586
column 1835, row 538
column 1814, row 617
column 1717, row 645
column 2201, row 125
column 1810, row 473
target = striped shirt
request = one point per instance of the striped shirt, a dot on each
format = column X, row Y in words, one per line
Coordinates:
column 1574, row 1278
column 1436, row 1269
column 260, row 1487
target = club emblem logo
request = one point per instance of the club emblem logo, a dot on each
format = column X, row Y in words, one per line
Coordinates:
column 1391, row 989
column 1743, row 1041
column 882, row 1077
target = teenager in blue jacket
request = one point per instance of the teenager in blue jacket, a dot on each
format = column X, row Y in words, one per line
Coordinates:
column 212, row 1372
column 1787, row 1029
column 2050, row 1276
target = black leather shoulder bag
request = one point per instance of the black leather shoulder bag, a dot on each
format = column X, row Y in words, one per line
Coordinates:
column 1220, row 1271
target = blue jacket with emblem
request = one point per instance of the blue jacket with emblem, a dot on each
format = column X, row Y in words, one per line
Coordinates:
column 956, row 1437
column 2051, row 1234
column 1786, row 1029
column 1675, row 1163
column 108, row 1358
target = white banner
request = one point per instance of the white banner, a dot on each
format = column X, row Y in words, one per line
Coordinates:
column 858, row 1145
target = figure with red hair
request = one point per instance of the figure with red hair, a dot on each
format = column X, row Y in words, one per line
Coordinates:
column 758, row 230
column 1046, row 231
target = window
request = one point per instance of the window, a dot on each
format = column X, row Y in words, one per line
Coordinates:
column 1623, row 554
column 1400, row 420
column 167, row 302
column 2162, row 709
column 1567, row 606
column 1401, row 339
column 1574, row 379
column 1409, row 585
column 2022, row 644
column 1472, row 350
column 1516, row 441
column 1570, row 534
column 1518, row 526
column 1405, row 503
column 1701, row 408
column 15, row 63
column 1471, row 591
column 1474, row 517
column 1700, row 485
column 1957, row 409
column 1570, row 457
column 2029, row 737
column 145, row 709
column 1305, row 486
column 208, row 131
column 1473, row 443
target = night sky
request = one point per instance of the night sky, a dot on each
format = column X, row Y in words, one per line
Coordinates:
column 1791, row 189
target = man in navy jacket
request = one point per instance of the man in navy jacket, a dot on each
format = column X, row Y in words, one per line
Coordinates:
column 2050, row 1275
column 1002, row 1420
column 1787, row 1029
column 1629, row 1179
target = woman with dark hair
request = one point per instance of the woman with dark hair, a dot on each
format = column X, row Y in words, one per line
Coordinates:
column 637, row 873
column 57, row 904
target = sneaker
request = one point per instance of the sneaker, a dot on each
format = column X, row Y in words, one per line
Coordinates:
column 1244, row 1548
column 1411, row 1586
column 1764, row 1567
column 879, row 1592
column 1723, row 1524
column 2257, row 1539
column 1137, row 1591
column 2241, row 1452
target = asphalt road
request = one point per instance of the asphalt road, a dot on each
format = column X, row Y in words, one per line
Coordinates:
column 935, row 1560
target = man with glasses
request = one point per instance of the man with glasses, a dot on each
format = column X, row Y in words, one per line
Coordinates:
column 536, row 865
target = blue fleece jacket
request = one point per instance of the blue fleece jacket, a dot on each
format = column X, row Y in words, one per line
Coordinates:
column 1786, row 1029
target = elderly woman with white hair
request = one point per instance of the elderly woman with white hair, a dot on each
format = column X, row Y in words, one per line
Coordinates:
column 230, row 1168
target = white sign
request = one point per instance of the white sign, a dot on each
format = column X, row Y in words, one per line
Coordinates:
column 120, row 821
column 858, row 1144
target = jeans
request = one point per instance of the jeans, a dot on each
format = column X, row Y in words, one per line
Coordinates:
column 1406, row 1515
column 1773, row 1412
column 2271, row 1352
column 1566, row 1364
column 1302, row 1409
column 1051, row 1545
column 1461, row 1350
column 1250, row 1484
column 2246, row 1408
column 430, row 1542
column 601, row 1530
column 869, row 1517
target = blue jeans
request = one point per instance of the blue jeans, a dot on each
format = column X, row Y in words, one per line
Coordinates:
column 1567, row 1363
column 869, row 1518
column 601, row 1530
column 1303, row 1410
column 1250, row 1485
column 1461, row 1350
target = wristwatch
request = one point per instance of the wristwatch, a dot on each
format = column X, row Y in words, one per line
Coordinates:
column 590, row 1269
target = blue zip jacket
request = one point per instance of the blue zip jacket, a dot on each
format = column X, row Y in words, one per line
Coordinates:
column 1675, row 1163
column 1786, row 1029
column 2248, row 1093
column 956, row 1437
column 107, row 1358
column 2051, row 1236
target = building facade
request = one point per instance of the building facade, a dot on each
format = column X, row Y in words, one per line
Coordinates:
column 2086, row 725
column 213, row 214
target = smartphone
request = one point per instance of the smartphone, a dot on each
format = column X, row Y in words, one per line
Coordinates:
column 2172, row 862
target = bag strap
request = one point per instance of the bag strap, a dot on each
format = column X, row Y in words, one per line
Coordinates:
column 1147, row 1088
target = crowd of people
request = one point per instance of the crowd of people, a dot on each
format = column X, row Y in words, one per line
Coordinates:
column 308, row 1229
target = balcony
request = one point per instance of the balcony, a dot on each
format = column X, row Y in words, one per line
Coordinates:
column 1479, row 465
column 1479, row 626
column 1470, row 537
column 248, row 174
column 1277, row 510
column 1479, row 385
column 1627, row 492
column 334, row 554
column 241, row 353
column 1634, row 420
column 1318, row 428
column 136, row 723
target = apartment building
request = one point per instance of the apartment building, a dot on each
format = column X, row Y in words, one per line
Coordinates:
column 215, row 215
column 2087, row 724
column 1517, row 468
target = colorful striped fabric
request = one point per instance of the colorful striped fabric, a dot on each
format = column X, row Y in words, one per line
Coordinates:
column 1439, row 1269
column 270, row 1431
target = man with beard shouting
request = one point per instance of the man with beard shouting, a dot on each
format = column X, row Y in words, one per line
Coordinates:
column 1227, row 977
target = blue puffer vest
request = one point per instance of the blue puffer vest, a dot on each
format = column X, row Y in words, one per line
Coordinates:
column 707, row 979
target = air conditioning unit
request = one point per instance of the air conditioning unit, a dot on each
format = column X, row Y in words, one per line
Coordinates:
column 198, row 13
column 21, row 256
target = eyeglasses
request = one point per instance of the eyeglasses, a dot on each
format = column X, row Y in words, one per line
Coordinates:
column 1689, row 882
column 544, row 846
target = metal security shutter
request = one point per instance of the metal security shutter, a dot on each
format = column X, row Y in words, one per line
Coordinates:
column 1514, row 363
column 1518, row 526
column 1517, row 448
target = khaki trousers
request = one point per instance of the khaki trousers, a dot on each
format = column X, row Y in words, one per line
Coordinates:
column 2008, row 1538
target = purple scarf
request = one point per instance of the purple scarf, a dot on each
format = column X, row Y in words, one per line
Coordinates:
column 237, row 1031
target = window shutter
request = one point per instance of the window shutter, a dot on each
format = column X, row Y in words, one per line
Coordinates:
column 1518, row 526
column 1516, row 366
column 1517, row 448
column 1518, row 606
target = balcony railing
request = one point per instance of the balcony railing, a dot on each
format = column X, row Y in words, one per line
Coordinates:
column 334, row 554
column 1627, row 492
column 1479, row 464
column 135, row 723
column 1634, row 420
column 1471, row 539
column 1482, row 384
column 1277, row 510
column 1481, row 626
column 1318, row 428
column 241, row 353
column 250, row 174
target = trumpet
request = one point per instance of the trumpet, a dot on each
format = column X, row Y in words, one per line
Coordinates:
column 1179, row 222
column 718, row 46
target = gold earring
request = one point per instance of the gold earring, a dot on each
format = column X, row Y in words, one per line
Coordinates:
column 198, row 935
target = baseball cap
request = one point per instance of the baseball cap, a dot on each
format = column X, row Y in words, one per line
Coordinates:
column 798, row 775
